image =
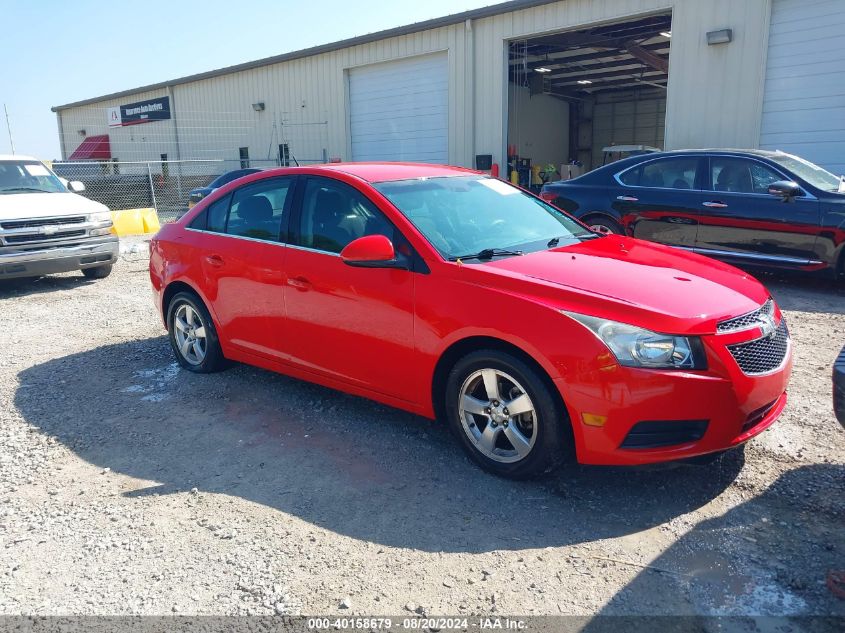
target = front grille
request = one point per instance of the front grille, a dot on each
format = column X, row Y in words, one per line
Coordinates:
column 763, row 355
column 747, row 321
column 659, row 433
column 29, row 239
column 755, row 417
column 32, row 224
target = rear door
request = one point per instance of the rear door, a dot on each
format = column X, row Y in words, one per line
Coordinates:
column 660, row 200
column 243, row 263
column 742, row 222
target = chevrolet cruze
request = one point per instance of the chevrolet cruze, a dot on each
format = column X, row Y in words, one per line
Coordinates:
column 457, row 296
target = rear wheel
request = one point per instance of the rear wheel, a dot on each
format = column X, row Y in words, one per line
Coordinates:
column 192, row 335
column 97, row 272
column 506, row 419
column 603, row 224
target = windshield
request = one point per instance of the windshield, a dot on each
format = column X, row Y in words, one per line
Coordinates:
column 461, row 215
column 810, row 172
column 28, row 176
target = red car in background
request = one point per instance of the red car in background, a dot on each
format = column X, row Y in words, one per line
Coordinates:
column 454, row 295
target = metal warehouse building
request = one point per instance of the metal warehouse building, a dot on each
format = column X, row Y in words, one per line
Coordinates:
column 518, row 84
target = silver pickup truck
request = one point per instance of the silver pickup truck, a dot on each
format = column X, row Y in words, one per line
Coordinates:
column 47, row 228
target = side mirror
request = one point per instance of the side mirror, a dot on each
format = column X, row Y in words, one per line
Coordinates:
column 76, row 186
column 785, row 189
column 371, row 251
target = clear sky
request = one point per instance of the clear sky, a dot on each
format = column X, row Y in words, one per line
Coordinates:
column 59, row 51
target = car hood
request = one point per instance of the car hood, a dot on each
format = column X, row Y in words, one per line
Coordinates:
column 657, row 286
column 19, row 206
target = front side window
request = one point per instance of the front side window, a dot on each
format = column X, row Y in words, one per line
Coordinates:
column 461, row 215
column 334, row 214
column 740, row 175
column 258, row 209
column 668, row 173
column 28, row 176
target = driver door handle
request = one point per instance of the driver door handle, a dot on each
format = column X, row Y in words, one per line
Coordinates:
column 715, row 204
column 300, row 283
column 215, row 260
column 627, row 199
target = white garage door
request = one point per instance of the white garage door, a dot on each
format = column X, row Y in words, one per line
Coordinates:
column 399, row 110
column 804, row 99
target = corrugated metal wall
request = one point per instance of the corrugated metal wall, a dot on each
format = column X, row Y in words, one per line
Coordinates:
column 714, row 93
column 804, row 100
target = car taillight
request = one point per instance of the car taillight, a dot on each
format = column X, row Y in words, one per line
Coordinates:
column 548, row 196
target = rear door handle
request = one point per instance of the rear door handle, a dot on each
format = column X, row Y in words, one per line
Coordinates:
column 627, row 199
column 715, row 204
column 215, row 260
column 300, row 283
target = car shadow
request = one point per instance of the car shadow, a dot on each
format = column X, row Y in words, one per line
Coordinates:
column 344, row 463
column 770, row 557
column 11, row 288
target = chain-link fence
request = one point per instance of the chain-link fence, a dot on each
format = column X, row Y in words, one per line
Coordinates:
column 163, row 185
column 128, row 160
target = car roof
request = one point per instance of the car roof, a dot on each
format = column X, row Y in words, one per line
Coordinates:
column 717, row 150
column 11, row 157
column 384, row 172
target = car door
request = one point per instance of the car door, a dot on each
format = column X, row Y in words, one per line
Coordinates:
column 243, row 263
column 350, row 324
column 741, row 221
column 659, row 200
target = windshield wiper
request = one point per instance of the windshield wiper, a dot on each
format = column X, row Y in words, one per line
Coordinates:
column 10, row 189
column 487, row 253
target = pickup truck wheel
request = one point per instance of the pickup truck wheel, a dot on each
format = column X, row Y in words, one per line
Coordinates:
column 193, row 336
column 504, row 415
column 97, row 272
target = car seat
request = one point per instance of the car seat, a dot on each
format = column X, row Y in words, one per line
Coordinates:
column 330, row 210
column 256, row 214
column 735, row 179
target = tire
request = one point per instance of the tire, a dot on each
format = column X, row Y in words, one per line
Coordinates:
column 543, row 434
column 603, row 224
column 190, row 328
column 97, row 272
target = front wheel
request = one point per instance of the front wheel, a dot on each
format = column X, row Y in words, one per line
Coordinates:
column 192, row 335
column 504, row 415
column 97, row 272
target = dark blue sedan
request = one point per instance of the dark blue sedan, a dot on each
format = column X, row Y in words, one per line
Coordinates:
column 223, row 179
column 751, row 208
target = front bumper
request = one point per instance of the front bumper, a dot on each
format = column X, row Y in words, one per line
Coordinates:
column 710, row 411
column 58, row 258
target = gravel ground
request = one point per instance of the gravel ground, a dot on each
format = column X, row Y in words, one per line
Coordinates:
column 128, row 486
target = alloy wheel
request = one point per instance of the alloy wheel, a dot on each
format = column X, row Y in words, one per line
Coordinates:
column 190, row 334
column 497, row 415
column 601, row 228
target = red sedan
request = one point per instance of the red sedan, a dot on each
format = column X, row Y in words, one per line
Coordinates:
column 457, row 296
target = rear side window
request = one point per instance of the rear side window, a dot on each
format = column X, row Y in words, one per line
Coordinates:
column 259, row 210
column 668, row 173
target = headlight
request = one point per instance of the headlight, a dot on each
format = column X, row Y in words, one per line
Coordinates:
column 636, row 347
column 100, row 216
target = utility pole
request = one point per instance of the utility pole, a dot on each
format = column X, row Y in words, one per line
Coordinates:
column 9, row 128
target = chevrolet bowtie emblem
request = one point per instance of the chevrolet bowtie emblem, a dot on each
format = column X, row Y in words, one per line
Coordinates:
column 48, row 230
column 767, row 324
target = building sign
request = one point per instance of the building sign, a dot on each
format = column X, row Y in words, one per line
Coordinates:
column 140, row 112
